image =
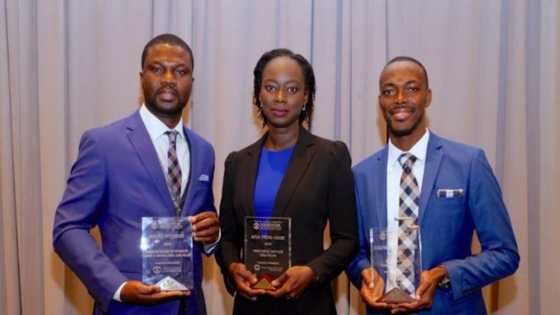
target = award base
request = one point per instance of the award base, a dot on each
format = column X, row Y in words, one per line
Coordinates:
column 396, row 296
column 170, row 284
column 264, row 283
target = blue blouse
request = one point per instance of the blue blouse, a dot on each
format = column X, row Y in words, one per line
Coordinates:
column 272, row 167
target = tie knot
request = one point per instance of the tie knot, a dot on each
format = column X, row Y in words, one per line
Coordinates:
column 406, row 160
column 172, row 134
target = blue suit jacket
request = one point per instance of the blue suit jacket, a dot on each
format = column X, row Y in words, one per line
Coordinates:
column 116, row 180
column 447, row 224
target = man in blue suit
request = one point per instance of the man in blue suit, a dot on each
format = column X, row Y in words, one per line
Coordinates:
column 145, row 165
column 448, row 191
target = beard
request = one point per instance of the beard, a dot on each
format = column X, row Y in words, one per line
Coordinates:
column 402, row 132
column 167, row 109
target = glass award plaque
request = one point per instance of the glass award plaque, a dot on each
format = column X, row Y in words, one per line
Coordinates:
column 166, row 246
column 267, row 248
column 400, row 284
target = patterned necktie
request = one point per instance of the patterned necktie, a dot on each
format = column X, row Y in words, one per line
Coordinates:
column 173, row 169
column 409, row 200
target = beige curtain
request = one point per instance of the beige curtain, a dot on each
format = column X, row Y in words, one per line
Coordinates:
column 67, row 66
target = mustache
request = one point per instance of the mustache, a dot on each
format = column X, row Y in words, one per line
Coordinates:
column 401, row 107
column 166, row 88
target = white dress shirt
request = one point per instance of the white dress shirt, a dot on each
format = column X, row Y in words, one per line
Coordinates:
column 394, row 171
column 157, row 129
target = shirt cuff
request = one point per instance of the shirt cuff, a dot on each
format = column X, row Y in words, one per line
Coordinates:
column 117, row 295
column 209, row 248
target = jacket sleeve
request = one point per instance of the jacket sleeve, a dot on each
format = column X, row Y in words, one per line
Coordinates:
column 77, row 214
column 209, row 249
column 499, row 255
column 342, row 218
column 361, row 260
column 228, row 249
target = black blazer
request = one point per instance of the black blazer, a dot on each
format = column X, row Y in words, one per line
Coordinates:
column 317, row 187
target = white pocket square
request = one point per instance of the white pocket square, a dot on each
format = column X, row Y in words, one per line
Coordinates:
column 450, row 193
column 204, row 178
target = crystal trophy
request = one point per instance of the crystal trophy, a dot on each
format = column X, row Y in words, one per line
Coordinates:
column 166, row 246
column 267, row 248
column 395, row 286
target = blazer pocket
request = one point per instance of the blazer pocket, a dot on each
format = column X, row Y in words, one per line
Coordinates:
column 449, row 199
column 450, row 193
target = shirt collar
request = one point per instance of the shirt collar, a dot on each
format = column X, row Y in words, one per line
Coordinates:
column 418, row 150
column 156, row 127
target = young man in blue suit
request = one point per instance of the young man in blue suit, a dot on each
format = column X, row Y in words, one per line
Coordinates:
column 447, row 190
column 145, row 165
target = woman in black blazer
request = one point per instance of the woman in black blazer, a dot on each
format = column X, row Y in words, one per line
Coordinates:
column 310, row 182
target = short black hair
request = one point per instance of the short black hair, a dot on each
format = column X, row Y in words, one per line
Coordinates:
column 166, row 38
column 308, row 75
column 410, row 59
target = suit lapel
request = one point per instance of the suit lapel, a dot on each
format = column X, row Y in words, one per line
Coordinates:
column 434, row 155
column 140, row 139
column 250, row 167
column 194, row 166
column 302, row 156
column 380, row 187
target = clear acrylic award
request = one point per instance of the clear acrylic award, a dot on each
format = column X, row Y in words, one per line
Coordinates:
column 166, row 246
column 267, row 248
column 397, row 287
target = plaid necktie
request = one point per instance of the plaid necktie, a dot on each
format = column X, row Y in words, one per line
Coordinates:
column 173, row 169
column 409, row 199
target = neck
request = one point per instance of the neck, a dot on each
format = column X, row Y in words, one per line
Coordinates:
column 405, row 143
column 169, row 119
column 170, row 122
column 281, row 138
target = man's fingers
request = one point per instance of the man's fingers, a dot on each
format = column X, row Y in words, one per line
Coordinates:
column 211, row 230
column 207, row 235
column 367, row 295
column 148, row 289
column 198, row 218
column 169, row 295
column 137, row 292
column 206, row 239
column 368, row 276
column 422, row 289
column 205, row 224
column 368, row 282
